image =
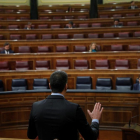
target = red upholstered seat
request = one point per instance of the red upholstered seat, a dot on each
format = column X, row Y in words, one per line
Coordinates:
column 117, row 15
column 42, row 65
column 122, row 64
column 24, row 49
column 104, row 16
column 119, row 7
column 47, row 11
column 15, row 37
column 101, row 64
column 99, row 47
column 96, row 25
column 123, row 34
column 81, row 64
column 85, row 10
column 134, row 47
column 62, row 64
column 11, row 18
column 22, row 11
column 108, row 35
column 43, row 49
column 43, row 26
column 24, row 18
column 136, row 34
column 83, row 25
column 1, row 18
column 13, row 26
column 78, row 36
column 117, row 47
column 55, row 26
column 138, row 66
column 130, row 15
column 22, row 65
column 1, row 49
column 94, row 35
column 60, row 10
column 62, row 36
column 57, row 17
column 44, row 18
column 9, row 11
column 31, row 36
column 69, row 17
column 1, row 37
column 80, row 48
column 62, row 48
column 108, row 8
column 134, row 23
column 82, row 17
column 47, row 36
column 4, row 65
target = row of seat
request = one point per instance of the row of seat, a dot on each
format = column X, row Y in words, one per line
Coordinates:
column 65, row 64
column 77, row 48
column 83, row 82
column 75, row 36
column 13, row 11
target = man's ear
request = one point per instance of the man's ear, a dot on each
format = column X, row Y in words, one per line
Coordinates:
column 49, row 86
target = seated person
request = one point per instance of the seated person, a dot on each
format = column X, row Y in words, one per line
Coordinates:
column 93, row 47
column 137, row 85
column 117, row 23
column 70, row 25
column 133, row 6
column 7, row 49
column 29, row 26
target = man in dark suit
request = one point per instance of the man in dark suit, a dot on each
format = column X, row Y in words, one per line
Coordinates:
column 136, row 86
column 57, row 118
column 70, row 25
column 117, row 23
column 29, row 26
column 133, row 6
column 7, row 49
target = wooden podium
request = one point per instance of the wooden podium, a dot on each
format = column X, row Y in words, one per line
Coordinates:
column 132, row 133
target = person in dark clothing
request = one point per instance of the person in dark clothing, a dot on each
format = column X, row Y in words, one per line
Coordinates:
column 70, row 25
column 117, row 23
column 7, row 49
column 136, row 86
column 133, row 6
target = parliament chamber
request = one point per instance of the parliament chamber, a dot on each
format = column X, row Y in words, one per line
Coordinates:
column 108, row 74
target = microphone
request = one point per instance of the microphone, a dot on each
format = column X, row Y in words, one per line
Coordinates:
column 131, row 119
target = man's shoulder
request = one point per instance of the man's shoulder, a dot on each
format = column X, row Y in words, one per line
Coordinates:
column 38, row 103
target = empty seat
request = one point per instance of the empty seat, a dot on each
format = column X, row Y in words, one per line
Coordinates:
column 101, row 64
column 82, row 17
column 80, row 48
column 104, row 84
column 43, row 49
column 24, row 18
column 55, row 26
column 123, row 34
column 60, row 10
column 22, row 65
column 108, row 8
column 13, row 26
column 43, row 26
column 4, row 65
column 15, row 37
column 138, row 65
column 62, row 36
column 22, row 10
column 47, row 36
column 44, row 18
column 124, row 83
column 40, row 84
column 31, row 36
column 81, row 64
column 57, row 17
column 24, row 49
column 85, row 10
column 104, row 16
column 62, row 48
column 122, row 64
column 47, row 11
column 62, row 64
column 1, row 86
column 136, row 34
column 94, row 35
column 134, row 47
column 9, row 11
column 84, row 82
column 83, row 25
column 117, row 47
column 78, row 36
column 42, row 65
column 96, row 25
column 69, row 17
column 1, row 37
column 117, row 15
column 108, row 35
column 134, row 23
column 11, row 18
column 19, row 84
column 119, row 7
column 130, row 15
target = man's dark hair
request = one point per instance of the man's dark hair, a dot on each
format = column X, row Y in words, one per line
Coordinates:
column 71, row 22
column 58, row 81
column 6, row 43
column 116, row 20
column 138, row 76
column 131, row 1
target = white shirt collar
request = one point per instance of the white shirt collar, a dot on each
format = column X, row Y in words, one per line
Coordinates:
column 57, row 94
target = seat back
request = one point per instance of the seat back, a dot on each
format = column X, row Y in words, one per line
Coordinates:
column 84, row 82
column 124, row 34
column 85, row 25
column 43, row 26
column 62, row 36
column 43, row 65
column 55, row 26
column 15, row 37
column 13, row 27
column 108, row 35
column 46, row 36
column 22, row 65
column 123, row 83
column 80, row 48
column 78, row 36
column 62, row 48
column 136, row 34
column 1, row 86
column 101, row 64
column 117, row 15
column 93, row 35
column 1, row 37
column 24, row 49
column 96, row 25
column 122, row 64
column 40, row 84
column 134, row 47
column 138, row 65
column 81, row 64
column 4, row 65
column 19, row 84
column 62, row 64
column 117, row 47
column 134, row 23
column 31, row 36
column 43, row 49
column 104, row 84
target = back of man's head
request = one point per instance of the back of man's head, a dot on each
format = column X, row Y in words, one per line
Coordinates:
column 58, row 81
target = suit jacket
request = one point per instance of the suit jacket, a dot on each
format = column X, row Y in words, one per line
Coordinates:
column 131, row 8
column 55, row 117
column 136, row 86
column 10, row 51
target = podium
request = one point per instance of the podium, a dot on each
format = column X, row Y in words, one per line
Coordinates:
column 132, row 133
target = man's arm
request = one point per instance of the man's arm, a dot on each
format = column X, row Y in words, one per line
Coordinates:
column 31, row 133
column 87, row 131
